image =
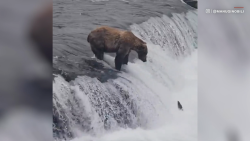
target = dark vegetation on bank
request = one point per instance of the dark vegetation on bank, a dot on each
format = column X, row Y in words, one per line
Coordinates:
column 192, row 3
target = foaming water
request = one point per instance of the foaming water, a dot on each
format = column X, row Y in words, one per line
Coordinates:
column 178, row 125
column 177, row 35
column 141, row 104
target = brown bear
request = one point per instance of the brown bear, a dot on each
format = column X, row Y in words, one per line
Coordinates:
column 107, row 39
column 41, row 32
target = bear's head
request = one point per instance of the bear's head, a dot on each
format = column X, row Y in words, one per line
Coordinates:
column 142, row 52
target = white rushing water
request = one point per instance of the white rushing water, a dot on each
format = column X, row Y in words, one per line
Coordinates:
column 144, row 97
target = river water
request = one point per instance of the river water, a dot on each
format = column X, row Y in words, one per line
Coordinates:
column 94, row 102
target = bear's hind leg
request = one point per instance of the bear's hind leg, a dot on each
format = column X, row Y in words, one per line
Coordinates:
column 125, row 60
column 98, row 54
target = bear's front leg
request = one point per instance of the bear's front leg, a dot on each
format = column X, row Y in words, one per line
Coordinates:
column 125, row 60
column 118, row 62
column 121, row 54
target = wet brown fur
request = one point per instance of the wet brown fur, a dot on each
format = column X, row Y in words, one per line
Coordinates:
column 107, row 39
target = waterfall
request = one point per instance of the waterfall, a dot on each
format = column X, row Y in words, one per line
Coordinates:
column 143, row 95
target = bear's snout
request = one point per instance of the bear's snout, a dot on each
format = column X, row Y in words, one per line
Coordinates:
column 143, row 58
